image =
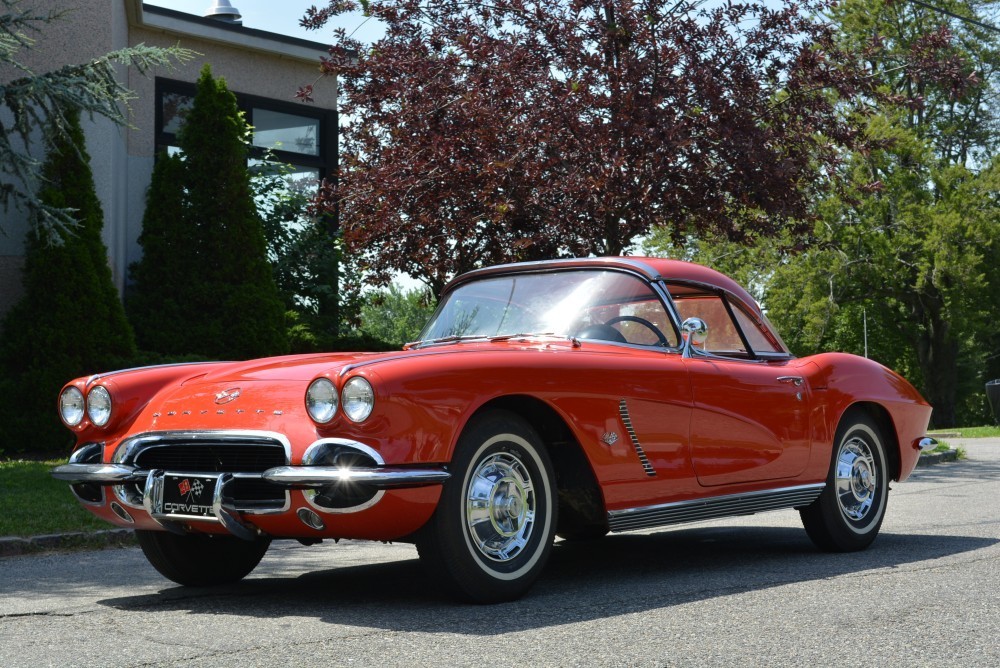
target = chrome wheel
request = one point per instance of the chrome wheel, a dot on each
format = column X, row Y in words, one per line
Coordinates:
column 500, row 507
column 856, row 479
column 493, row 528
column 848, row 513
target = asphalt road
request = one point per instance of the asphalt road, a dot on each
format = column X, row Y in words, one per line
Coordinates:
column 747, row 592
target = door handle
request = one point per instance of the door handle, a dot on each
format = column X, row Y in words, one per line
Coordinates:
column 792, row 380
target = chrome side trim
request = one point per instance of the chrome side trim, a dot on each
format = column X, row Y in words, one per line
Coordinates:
column 379, row 478
column 714, row 507
column 925, row 444
column 627, row 421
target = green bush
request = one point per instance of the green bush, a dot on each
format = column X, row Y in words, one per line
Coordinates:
column 396, row 315
column 70, row 321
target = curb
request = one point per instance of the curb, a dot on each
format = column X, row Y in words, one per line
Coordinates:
column 14, row 546
column 937, row 457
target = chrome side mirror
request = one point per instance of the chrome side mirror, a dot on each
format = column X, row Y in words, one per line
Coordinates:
column 694, row 331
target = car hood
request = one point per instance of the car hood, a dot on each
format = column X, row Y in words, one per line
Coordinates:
column 289, row 368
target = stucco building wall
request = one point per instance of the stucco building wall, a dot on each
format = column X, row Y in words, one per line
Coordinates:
column 251, row 61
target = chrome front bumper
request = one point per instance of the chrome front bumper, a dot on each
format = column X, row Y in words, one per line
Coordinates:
column 304, row 477
column 222, row 508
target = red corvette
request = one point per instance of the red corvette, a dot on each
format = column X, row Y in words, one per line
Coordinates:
column 565, row 398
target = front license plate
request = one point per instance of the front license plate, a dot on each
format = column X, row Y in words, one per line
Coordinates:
column 189, row 495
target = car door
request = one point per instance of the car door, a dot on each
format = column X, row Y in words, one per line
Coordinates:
column 750, row 416
column 750, row 421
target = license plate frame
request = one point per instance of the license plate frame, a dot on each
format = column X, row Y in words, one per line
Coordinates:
column 187, row 495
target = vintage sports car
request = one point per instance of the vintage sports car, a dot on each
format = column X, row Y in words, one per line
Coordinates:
column 566, row 398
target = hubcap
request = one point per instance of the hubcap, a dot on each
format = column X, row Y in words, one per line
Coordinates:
column 857, row 479
column 500, row 507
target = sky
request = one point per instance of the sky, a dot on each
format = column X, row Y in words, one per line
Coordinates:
column 281, row 16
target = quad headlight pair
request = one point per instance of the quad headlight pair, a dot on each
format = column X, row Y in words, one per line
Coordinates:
column 357, row 399
column 73, row 406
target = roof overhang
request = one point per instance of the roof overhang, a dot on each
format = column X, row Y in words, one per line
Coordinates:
column 180, row 25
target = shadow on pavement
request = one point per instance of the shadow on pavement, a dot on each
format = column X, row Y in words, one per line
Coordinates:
column 621, row 574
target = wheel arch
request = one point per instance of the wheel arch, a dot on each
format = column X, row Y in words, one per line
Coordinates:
column 887, row 428
column 581, row 501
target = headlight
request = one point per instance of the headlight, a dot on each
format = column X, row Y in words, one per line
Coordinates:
column 321, row 400
column 71, row 406
column 358, row 398
column 99, row 405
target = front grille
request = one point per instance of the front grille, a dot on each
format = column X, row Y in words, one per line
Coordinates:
column 225, row 455
column 207, row 457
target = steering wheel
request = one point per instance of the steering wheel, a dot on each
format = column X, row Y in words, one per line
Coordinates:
column 642, row 321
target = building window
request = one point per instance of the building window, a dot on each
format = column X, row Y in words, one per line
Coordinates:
column 303, row 137
column 279, row 131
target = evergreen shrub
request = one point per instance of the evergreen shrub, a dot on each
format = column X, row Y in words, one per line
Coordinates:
column 204, row 285
column 70, row 321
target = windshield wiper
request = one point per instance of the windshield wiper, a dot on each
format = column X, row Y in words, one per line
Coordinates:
column 443, row 339
column 477, row 337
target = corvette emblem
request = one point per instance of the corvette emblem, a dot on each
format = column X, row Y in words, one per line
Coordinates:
column 190, row 490
column 224, row 397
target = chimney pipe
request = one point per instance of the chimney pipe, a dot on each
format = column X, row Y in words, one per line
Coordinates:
column 223, row 11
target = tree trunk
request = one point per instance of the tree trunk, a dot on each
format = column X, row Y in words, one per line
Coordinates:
column 937, row 352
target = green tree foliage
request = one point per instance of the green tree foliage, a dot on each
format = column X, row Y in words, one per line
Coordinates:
column 910, row 243
column 395, row 315
column 304, row 252
column 70, row 320
column 204, row 285
column 31, row 101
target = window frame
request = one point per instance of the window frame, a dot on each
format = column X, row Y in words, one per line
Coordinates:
column 702, row 290
column 325, row 162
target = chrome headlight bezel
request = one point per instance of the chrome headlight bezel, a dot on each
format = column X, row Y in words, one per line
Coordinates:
column 72, row 406
column 322, row 400
column 99, row 405
column 357, row 399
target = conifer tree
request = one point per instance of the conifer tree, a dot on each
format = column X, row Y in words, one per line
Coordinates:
column 159, row 284
column 70, row 321
column 204, row 285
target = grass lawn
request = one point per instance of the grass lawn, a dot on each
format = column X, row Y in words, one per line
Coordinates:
column 32, row 503
column 973, row 432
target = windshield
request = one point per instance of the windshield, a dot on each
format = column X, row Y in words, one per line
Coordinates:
column 566, row 303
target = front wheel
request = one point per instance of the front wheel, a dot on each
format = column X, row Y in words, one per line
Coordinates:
column 849, row 512
column 201, row 560
column 492, row 532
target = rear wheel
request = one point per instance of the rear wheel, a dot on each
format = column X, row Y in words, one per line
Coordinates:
column 848, row 514
column 200, row 560
column 492, row 532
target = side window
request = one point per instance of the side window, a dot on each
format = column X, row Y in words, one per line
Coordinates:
column 641, row 321
column 722, row 335
column 757, row 338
